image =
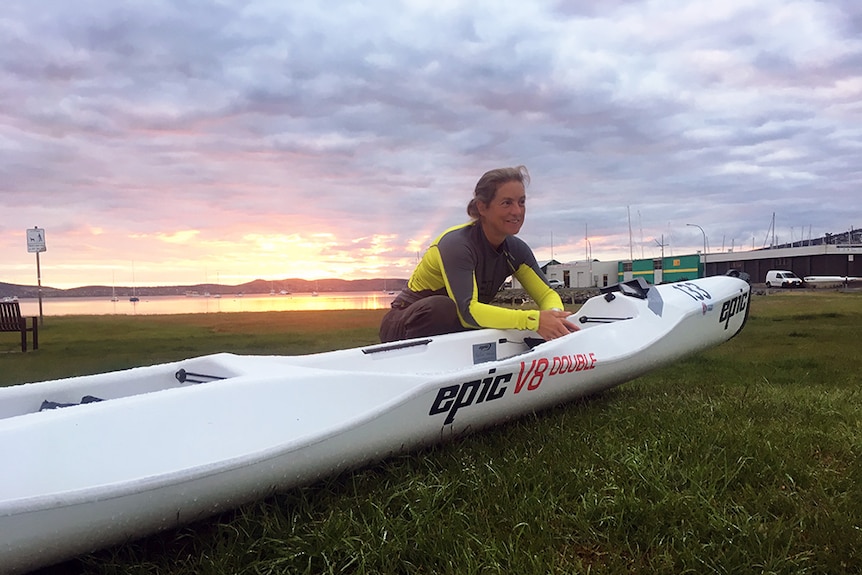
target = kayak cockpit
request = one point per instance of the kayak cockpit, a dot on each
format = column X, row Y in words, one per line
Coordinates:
column 24, row 399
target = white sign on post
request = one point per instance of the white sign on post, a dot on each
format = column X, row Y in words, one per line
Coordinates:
column 36, row 240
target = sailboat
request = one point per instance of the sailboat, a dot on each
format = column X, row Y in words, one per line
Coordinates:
column 114, row 296
column 134, row 297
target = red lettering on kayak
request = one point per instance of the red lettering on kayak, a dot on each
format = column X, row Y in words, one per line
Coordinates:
column 531, row 376
column 452, row 398
column 562, row 364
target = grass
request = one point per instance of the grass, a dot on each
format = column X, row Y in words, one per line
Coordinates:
column 81, row 345
column 741, row 459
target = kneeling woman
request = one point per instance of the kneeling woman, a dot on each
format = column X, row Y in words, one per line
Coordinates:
column 458, row 277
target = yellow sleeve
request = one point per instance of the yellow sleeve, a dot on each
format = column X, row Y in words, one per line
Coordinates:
column 544, row 296
column 502, row 318
column 497, row 317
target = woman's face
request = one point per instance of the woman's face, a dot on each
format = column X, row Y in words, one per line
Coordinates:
column 504, row 215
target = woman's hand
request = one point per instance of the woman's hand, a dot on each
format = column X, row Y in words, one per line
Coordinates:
column 553, row 324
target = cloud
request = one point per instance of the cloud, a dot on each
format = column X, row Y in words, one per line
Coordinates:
column 371, row 122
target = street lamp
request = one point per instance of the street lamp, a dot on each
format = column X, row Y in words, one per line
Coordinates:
column 702, row 232
column 704, row 245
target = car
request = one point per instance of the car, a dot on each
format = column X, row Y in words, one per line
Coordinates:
column 782, row 278
column 735, row 273
column 555, row 283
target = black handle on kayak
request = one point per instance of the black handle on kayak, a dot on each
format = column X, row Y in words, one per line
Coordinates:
column 595, row 319
column 183, row 377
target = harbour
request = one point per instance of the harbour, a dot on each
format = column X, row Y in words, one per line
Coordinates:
column 168, row 305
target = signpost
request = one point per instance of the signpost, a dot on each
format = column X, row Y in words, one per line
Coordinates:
column 36, row 244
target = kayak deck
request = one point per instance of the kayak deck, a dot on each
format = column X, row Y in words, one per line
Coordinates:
column 171, row 443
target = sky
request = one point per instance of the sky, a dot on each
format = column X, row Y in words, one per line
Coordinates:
column 183, row 141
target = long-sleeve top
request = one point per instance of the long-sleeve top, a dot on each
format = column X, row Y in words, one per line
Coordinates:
column 462, row 264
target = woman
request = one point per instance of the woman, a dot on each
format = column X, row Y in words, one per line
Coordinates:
column 452, row 287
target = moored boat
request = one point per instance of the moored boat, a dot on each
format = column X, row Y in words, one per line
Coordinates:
column 829, row 281
column 105, row 458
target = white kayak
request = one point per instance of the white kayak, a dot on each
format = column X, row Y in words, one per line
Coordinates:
column 829, row 281
column 97, row 460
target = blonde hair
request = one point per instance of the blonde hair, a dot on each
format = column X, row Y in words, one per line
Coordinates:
column 486, row 187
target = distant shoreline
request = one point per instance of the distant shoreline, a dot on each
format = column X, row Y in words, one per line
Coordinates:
column 256, row 287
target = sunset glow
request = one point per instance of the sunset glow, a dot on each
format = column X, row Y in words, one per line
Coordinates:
column 164, row 145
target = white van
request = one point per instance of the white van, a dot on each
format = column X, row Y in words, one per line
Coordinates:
column 782, row 278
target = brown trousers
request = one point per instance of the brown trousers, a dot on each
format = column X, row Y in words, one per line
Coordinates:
column 433, row 315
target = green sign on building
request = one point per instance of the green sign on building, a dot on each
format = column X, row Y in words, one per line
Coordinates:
column 662, row 270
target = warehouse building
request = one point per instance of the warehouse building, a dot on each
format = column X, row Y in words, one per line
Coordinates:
column 831, row 255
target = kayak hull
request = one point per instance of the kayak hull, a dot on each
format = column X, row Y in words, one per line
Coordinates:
column 172, row 443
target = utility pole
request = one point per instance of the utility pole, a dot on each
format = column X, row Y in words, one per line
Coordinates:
column 661, row 244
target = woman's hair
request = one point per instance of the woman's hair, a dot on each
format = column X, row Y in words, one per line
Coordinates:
column 490, row 181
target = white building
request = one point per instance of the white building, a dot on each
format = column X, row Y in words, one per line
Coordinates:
column 579, row 274
column 584, row 274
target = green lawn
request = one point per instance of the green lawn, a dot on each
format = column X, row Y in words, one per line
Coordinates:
column 741, row 459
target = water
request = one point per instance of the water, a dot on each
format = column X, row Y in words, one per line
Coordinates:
column 166, row 305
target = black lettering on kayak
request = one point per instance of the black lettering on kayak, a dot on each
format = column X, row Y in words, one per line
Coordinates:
column 454, row 397
column 732, row 307
column 693, row 291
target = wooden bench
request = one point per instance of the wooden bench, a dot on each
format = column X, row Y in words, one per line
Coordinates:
column 11, row 320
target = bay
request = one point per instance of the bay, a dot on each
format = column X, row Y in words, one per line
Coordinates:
column 167, row 305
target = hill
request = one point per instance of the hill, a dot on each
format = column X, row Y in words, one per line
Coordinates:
column 253, row 287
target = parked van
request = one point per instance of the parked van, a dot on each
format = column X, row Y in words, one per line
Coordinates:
column 782, row 278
